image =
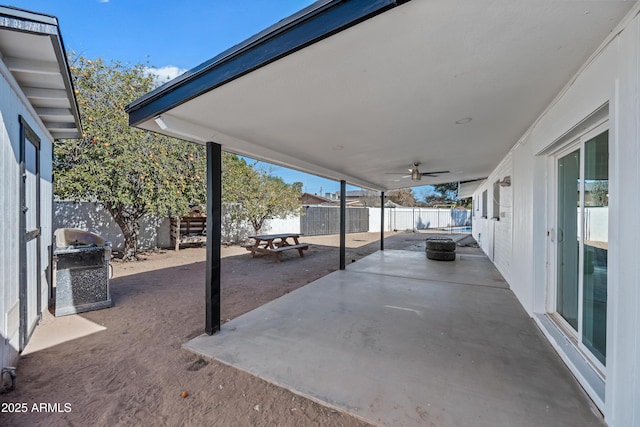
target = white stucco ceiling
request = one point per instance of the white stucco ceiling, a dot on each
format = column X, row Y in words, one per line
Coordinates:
column 379, row 96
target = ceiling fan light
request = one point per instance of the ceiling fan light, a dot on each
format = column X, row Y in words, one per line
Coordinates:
column 416, row 175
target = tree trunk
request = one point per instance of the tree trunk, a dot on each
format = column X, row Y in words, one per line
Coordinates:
column 130, row 231
column 131, row 241
column 256, row 228
column 257, row 224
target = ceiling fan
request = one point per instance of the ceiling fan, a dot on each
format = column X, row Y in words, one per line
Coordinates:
column 416, row 175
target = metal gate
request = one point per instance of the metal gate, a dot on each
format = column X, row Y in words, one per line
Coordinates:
column 319, row 220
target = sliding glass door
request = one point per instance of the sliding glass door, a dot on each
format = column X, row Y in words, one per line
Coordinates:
column 568, row 246
column 595, row 245
column 582, row 208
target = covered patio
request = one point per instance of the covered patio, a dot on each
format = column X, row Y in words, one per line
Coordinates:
column 392, row 94
column 397, row 339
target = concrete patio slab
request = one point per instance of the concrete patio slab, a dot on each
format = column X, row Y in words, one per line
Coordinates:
column 396, row 350
column 466, row 269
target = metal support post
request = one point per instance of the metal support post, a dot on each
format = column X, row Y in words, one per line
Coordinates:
column 343, row 223
column 214, row 223
column 382, row 221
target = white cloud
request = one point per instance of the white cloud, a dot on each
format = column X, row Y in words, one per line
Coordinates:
column 166, row 73
column 103, row 1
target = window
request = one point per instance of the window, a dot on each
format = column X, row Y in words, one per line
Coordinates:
column 484, row 204
column 495, row 213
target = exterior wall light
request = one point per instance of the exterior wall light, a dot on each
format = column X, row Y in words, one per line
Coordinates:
column 506, row 181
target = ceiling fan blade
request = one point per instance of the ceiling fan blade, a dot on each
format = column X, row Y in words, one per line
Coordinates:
column 434, row 173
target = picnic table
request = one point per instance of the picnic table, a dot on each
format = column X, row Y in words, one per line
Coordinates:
column 275, row 244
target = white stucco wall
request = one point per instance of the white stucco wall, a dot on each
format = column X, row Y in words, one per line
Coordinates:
column 154, row 232
column 612, row 76
column 46, row 209
column 11, row 107
column 290, row 224
column 623, row 318
column 494, row 234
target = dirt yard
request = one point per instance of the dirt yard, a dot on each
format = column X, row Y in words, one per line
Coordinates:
column 132, row 369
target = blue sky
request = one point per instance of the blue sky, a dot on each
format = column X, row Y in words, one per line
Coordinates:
column 171, row 37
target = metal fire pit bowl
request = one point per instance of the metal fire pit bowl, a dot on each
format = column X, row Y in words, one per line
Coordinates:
column 81, row 266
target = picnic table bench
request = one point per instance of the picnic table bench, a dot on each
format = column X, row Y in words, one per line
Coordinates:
column 276, row 244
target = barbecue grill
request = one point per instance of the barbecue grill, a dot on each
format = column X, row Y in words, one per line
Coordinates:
column 81, row 267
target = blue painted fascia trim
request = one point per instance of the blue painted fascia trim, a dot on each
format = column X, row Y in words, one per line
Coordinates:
column 320, row 20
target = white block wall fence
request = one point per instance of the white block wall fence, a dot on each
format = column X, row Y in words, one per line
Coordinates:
column 154, row 232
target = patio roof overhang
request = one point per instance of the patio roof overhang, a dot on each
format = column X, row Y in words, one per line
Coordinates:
column 32, row 51
column 360, row 90
column 467, row 188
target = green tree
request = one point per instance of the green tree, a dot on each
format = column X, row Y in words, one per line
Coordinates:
column 443, row 194
column 448, row 190
column 255, row 194
column 129, row 171
column 599, row 193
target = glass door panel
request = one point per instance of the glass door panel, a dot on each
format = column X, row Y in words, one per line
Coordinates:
column 567, row 237
column 595, row 245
